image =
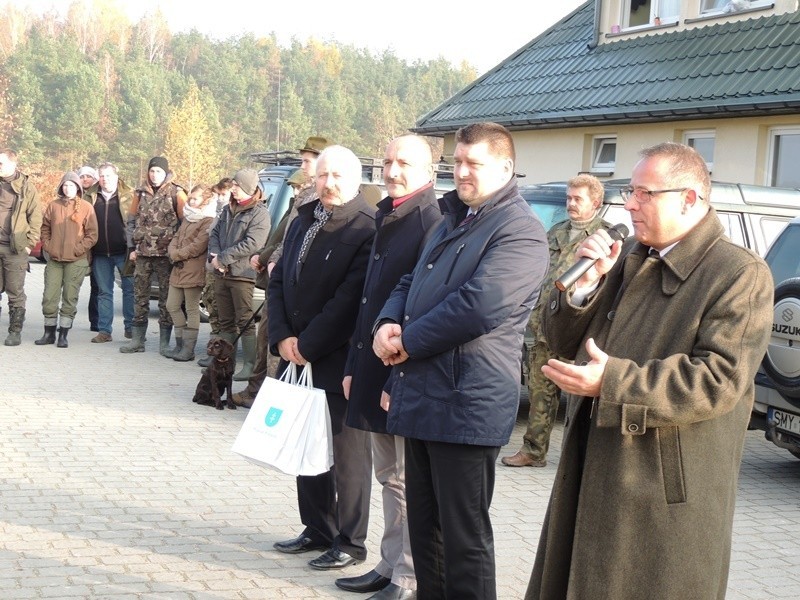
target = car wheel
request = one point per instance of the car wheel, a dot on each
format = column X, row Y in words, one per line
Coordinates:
column 782, row 360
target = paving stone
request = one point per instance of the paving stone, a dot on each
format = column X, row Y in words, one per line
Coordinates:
column 114, row 485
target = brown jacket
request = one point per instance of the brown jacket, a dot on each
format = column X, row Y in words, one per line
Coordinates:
column 648, row 511
column 188, row 250
column 65, row 239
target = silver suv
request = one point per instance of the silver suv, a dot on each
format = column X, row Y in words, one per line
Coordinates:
column 777, row 405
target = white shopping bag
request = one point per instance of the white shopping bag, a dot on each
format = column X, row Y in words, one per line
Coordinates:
column 276, row 429
column 318, row 454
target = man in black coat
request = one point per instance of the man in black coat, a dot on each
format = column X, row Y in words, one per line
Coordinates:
column 314, row 294
column 405, row 220
column 453, row 329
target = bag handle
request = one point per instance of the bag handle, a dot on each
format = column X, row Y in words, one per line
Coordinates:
column 306, row 378
column 289, row 374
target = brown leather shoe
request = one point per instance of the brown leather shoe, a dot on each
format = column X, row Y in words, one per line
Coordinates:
column 101, row 338
column 520, row 459
column 243, row 399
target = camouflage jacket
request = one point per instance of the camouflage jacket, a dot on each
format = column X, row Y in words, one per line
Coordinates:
column 151, row 227
column 562, row 257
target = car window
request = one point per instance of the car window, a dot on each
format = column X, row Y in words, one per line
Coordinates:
column 268, row 189
column 771, row 227
column 783, row 257
column 549, row 204
column 549, row 214
column 734, row 228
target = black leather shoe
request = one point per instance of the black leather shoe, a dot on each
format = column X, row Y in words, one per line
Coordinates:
column 393, row 592
column 332, row 559
column 370, row 582
column 298, row 545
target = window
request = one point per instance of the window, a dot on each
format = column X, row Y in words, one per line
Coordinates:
column 729, row 6
column 703, row 142
column 604, row 154
column 784, row 156
column 645, row 12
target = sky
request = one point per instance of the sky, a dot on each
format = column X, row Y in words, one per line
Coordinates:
column 483, row 34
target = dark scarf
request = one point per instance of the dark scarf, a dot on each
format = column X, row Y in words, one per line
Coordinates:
column 321, row 217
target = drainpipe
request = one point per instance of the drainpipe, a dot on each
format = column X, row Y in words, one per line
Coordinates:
column 596, row 27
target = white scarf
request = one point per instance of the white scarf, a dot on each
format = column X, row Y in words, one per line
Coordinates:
column 195, row 214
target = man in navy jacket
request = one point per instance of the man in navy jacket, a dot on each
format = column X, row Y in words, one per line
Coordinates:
column 453, row 328
column 314, row 294
column 405, row 220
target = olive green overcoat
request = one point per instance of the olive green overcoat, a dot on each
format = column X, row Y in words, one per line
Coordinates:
column 643, row 500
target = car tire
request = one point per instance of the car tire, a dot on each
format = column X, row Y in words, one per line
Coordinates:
column 782, row 360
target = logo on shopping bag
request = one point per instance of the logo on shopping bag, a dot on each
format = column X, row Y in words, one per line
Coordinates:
column 273, row 416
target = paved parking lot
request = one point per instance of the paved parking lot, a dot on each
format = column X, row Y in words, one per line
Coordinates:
column 113, row 484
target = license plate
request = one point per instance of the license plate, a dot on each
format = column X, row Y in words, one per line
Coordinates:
column 785, row 421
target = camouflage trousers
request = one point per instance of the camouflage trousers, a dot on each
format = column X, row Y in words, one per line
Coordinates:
column 209, row 300
column 544, row 397
column 146, row 266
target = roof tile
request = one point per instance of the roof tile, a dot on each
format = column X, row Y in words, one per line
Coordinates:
column 742, row 67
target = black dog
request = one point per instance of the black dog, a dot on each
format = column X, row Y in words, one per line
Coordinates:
column 218, row 377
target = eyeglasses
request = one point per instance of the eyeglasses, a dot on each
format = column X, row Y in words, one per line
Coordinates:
column 642, row 195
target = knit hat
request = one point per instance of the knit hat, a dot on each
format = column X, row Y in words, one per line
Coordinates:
column 160, row 162
column 87, row 170
column 247, row 180
column 315, row 145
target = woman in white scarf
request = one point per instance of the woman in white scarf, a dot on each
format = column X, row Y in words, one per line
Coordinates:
column 187, row 251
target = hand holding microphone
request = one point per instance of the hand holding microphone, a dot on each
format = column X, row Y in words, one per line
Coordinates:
column 597, row 241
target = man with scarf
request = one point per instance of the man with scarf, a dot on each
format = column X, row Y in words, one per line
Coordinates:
column 314, row 297
column 584, row 198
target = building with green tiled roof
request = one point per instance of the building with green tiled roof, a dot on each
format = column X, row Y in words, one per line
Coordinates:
column 618, row 75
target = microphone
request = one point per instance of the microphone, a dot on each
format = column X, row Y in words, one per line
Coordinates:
column 618, row 233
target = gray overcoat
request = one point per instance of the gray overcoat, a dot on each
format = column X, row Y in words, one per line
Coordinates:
column 642, row 504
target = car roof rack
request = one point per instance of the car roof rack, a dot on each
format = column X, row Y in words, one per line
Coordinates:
column 277, row 157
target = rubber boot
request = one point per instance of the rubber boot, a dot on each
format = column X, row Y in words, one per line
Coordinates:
column 62, row 337
column 49, row 336
column 137, row 341
column 187, row 350
column 248, row 358
column 171, row 352
column 16, row 317
column 163, row 344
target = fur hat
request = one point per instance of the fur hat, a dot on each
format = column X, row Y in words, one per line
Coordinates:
column 160, row 162
column 87, row 170
column 247, row 180
column 315, row 145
